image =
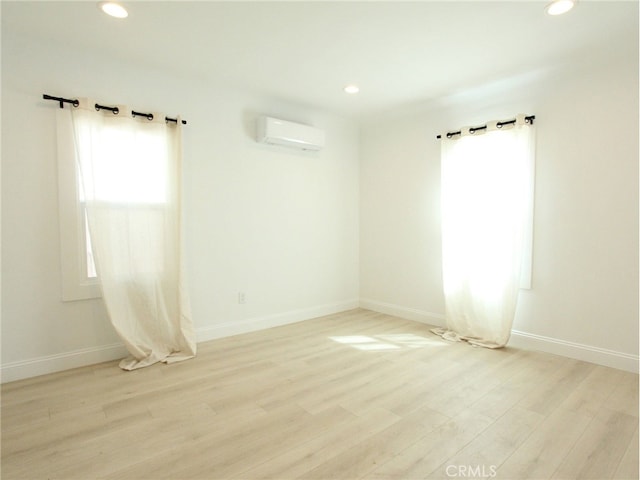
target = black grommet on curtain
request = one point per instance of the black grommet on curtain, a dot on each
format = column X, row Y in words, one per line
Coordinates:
column 114, row 110
column 149, row 116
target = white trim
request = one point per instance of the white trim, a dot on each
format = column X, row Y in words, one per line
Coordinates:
column 527, row 341
column 89, row 356
column 429, row 318
column 587, row 353
column 34, row 367
column 228, row 329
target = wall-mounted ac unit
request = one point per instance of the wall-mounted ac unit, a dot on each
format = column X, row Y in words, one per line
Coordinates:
column 289, row 134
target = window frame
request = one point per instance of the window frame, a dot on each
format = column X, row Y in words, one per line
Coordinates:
column 76, row 284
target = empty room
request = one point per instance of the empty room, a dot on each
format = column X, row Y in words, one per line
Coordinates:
column 319, row 240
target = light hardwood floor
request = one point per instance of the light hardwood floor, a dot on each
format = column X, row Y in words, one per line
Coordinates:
column 347, row 396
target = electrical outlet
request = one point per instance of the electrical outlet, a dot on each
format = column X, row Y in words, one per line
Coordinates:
column 241, row 298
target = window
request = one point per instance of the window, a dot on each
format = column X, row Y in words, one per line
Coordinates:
column 487, row 224
column 129, row 167
column 129, row 171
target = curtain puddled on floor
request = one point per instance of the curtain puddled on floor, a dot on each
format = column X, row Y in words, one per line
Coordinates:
column 130, row 183
column 487, row 195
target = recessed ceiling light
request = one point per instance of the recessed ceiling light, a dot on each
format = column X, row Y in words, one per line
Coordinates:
column 558, row 7
column 351, row 89
column 114, row 9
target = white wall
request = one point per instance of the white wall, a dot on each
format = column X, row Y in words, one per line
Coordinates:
column 279, row 225
column 584, row 300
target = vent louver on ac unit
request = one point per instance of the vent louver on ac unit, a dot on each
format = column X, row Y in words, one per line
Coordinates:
column 289, row 134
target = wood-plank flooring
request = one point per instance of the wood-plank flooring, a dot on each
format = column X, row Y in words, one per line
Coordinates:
column 348, row 396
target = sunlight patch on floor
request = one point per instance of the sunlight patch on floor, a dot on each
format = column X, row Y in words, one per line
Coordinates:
column 388, row 341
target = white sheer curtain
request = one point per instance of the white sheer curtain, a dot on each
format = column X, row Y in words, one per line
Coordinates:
column 487, row 195
column 130, row 181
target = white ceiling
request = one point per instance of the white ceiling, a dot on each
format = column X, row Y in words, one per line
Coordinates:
column 397, row 52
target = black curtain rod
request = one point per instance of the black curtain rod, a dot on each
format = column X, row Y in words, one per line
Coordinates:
column 115, row 110
column 528, row 119
column 62, row 101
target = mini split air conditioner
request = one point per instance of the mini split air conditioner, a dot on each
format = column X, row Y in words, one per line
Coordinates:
column 289, row 134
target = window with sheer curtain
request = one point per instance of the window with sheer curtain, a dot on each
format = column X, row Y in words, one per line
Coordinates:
column 128, row 171
column 487, row 225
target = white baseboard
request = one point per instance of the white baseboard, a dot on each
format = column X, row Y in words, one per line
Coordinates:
column 429, row 318
column 587, row 353
column 78, row 358
column 528, row 341
column 228, row 329
column 33, row 367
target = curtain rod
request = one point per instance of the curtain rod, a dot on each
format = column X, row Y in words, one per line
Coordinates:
column 115, row 110
column 529, row 119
